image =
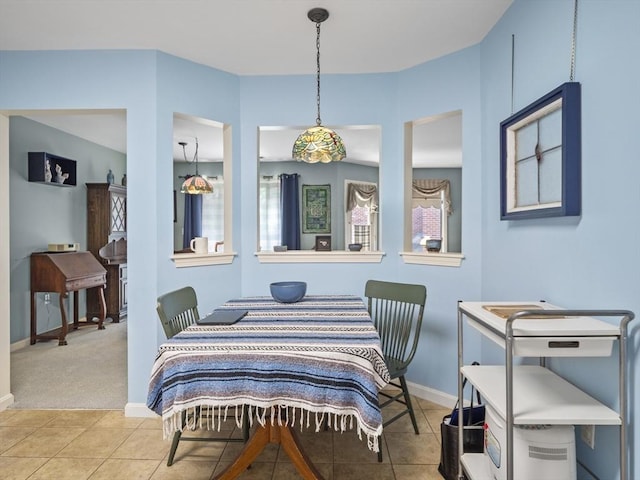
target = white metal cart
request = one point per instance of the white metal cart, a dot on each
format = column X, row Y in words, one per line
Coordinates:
column 534, row 395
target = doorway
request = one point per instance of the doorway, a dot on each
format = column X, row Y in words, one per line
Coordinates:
column 96, row 138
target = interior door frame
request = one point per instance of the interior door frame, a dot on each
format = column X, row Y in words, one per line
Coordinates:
column 6, row 397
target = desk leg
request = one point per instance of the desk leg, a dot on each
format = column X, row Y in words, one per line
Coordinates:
column 62, row 338
column 281, row 434
column 103, row 308
column 34, row 322
column 76, row 315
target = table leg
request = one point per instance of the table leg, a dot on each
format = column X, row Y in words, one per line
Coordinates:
column 292, row 447
column 281, row 434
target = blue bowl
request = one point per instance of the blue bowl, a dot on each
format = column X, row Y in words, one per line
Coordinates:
column 288, row 292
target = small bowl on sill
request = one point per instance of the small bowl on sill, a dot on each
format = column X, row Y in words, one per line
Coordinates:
column 433, row 246
column 355, row 247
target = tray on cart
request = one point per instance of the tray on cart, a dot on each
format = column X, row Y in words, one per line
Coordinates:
column 505, row 311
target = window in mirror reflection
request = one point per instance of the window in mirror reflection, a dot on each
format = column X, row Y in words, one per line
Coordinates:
column 201, row 215
column 213, row 215
column 430, row 211
column 436, row 185
column 353, row 186
column 269, row 212
column 361, row 214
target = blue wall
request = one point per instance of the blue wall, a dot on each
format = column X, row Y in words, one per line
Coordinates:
column 590, row 261
column 108, row 79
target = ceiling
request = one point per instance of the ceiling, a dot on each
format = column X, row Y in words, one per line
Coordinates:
column 256, row 37
column 248, row 37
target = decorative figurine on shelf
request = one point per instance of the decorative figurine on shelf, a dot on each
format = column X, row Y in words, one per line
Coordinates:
column 124, row 180
column 110, row 177
column 47, row 171
column 60, row 177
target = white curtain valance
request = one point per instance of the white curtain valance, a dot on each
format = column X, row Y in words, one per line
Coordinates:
column 361, row 194
column 427, row 193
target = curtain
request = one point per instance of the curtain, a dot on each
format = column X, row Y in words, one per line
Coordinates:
column 269, row 213
column 426, row 193
column 364, row 195
column 290, row 210
column 192, row 219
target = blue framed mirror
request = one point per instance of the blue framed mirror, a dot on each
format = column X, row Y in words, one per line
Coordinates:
column 540, row 157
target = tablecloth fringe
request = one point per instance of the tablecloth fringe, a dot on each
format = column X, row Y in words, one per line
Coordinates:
column 211, row 418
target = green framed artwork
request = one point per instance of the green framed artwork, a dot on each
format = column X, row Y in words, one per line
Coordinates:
column 316, row 208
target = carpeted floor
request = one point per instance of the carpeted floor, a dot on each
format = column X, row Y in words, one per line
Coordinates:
column 88, row 373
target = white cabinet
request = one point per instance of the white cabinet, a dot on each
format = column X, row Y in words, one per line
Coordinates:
column 534, row 395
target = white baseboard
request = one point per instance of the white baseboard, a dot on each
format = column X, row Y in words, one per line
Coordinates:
column 138, row 410
column 6, row 401
column 19, row 344
column 432, row 395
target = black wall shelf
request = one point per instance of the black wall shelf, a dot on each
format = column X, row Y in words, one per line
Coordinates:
column 42, row 169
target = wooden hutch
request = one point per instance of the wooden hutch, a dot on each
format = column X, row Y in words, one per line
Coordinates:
column 106, row 223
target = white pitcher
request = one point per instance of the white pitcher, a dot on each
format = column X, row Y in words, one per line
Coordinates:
column 200, row 245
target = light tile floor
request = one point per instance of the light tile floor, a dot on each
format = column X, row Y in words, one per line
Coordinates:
column 105, row 445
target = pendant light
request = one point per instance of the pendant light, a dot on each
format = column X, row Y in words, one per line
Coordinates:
column 194, row 184
column 318, row 144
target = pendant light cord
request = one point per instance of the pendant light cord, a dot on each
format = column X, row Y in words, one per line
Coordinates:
column 318, row 121
column 572, row 62
column 195, row 155
column 573, row 41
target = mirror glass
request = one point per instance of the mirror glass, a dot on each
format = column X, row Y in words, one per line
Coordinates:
column 338, row 200
column 436, row 183
column 204, row 214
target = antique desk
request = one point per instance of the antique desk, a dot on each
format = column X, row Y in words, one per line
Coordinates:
column 63, row 273
column 315, row 360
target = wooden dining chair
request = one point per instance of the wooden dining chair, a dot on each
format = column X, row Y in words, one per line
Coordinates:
column 177, row 310
column 397, row 310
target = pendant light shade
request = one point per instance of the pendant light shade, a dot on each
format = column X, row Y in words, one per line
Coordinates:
column 318, row 143
column 194, row 184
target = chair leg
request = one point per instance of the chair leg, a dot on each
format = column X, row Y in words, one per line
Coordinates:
column 245, row 423
column 174, row 447
column 176, row 439
column 407, row 399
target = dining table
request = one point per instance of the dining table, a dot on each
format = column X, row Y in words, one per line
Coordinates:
column 315, row 363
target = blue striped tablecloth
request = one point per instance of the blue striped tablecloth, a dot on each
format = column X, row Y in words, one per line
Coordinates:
column 298, row 363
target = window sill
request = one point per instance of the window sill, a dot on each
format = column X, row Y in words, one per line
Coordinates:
column 440, row 259
column 197, row 260
column 311, row 256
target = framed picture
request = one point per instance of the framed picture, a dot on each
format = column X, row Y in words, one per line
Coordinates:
column 316, row 208
column 323, row 243
column 540, row 157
